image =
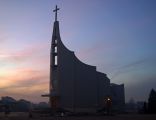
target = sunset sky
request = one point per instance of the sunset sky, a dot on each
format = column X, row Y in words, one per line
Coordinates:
column 117, row 36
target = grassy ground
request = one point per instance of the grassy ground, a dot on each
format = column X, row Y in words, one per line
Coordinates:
column 24, row 116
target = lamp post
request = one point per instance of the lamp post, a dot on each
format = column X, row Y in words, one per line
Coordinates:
column 108, row 105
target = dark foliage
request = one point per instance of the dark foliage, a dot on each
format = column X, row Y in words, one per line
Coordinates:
column 152, row 102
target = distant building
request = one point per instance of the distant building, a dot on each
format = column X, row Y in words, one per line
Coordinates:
column 118, row 97
column 76, row 86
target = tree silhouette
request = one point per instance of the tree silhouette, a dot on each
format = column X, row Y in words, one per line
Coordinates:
column 152, row 102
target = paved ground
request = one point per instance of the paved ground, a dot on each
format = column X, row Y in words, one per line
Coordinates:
column 24, row 116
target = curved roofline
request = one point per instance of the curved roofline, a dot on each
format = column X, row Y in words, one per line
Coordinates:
column 83, row 62
column 75, row 55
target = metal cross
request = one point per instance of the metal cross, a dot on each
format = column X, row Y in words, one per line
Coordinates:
column 56, row 9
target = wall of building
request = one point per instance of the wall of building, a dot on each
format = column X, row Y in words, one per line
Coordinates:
column 118, row 97
column 79, row 86
column 78, row 81
column 103, row 87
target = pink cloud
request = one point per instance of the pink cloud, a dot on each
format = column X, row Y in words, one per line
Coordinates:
column 24, row 82
column 93, row 50
column 22, row 55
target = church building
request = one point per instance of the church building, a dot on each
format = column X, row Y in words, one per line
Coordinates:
column 76, row 86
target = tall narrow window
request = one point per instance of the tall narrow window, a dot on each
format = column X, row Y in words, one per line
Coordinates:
column 55, row 49
column 55, row 41
column 55, row 63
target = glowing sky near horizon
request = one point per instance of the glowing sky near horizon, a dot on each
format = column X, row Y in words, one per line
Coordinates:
column 117, row 36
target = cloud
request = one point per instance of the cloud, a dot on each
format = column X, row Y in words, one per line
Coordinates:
column 93, row 50
column 3, row 35
column 27, row 55
column 23, row 73
column 140, row 91
column 23, row 78
column 3, row 39
column 24, row 82
column 132, row 66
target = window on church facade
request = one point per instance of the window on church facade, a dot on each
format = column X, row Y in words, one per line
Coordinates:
column 55, row 49
column 55, row 41
column 55, row 63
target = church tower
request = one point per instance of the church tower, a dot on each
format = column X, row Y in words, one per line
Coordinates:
column 54, row 84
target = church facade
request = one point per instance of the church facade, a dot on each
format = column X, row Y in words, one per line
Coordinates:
column 76, row 86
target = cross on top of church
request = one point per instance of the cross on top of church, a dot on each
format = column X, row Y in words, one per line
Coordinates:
column 56, row 9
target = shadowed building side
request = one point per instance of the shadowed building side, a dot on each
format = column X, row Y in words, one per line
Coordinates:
column 74, row 85
column 103, row 88
column 118, row 97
